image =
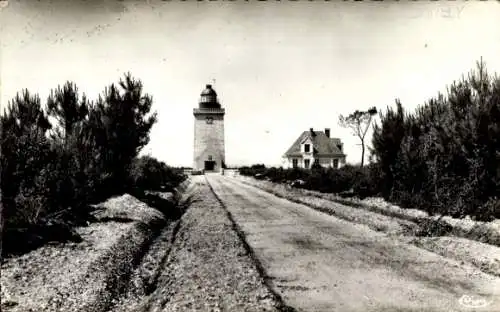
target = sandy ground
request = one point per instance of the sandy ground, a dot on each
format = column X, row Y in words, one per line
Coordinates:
column 144, row 279
column 46, row 277
column 322, row 263
column 83, row 276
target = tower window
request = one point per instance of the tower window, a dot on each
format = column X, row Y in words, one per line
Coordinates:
column 210, row 158
column 210, row 120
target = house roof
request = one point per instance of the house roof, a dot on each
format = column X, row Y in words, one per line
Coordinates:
column 323, row 145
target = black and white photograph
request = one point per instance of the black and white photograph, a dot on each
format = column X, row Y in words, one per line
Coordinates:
column 245, row 155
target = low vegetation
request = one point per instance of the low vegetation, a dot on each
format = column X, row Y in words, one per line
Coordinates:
column 148, row 173
column 442, row 158
column 347, row 181
column 60, row 157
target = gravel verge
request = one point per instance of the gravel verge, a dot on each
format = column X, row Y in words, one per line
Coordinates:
column 208, row 268
column 144, row 279
column 46, row 277
column 483, row 256
column 485, row 232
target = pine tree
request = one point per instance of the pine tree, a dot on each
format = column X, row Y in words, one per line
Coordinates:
column 386, row 142
column 25, row 151
column 121, row 125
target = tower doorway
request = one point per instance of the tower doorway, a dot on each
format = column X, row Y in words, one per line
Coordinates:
column 209, row 165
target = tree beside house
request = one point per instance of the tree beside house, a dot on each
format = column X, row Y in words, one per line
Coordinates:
column 359, row 122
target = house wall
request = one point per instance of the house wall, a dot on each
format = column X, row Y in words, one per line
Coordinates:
column 208, row 140
column 325, row 162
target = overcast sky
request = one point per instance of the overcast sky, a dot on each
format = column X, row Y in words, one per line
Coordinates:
column 279, row 67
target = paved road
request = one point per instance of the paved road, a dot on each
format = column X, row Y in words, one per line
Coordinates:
column 320, row 263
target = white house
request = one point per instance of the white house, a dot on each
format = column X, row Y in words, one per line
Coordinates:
column 315, row 147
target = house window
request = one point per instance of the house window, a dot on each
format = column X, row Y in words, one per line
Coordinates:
column 335, row 163
column 295, row 163
column 210, row 120
column 307, row 162
column 307, row 148
column 316, row 162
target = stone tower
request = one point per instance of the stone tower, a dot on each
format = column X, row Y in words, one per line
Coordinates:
column 209, row 150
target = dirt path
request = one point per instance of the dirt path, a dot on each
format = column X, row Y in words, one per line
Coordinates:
column 320, row 263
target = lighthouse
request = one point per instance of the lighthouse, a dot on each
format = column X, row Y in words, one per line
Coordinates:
column 209, row 150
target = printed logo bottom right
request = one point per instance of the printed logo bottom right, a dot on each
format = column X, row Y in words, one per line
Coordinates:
column 475, row 302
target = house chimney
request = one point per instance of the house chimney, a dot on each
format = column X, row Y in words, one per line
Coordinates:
column 327, row 132
column 311, row 129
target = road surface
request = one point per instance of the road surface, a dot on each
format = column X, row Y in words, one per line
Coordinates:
column 317, row 262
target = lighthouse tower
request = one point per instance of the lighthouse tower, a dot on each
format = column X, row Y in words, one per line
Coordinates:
column 209, row 151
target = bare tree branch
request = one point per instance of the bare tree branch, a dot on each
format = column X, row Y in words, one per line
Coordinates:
column 359, row 122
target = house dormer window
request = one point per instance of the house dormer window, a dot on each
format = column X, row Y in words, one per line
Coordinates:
column 307, row 148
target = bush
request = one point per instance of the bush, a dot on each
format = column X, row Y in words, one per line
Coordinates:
column 489, row 210
column 362, row 183
column 326, row 180
column 150, row 174
column 252, row 170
